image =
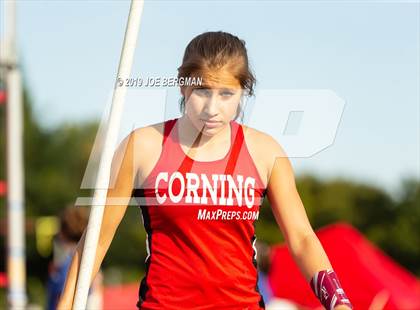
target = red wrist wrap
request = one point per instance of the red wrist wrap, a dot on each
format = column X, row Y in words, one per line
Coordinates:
column 328, row 289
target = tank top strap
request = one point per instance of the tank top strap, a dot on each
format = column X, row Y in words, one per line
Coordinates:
column 169, row 141
column 236, row 148
column 167, row 129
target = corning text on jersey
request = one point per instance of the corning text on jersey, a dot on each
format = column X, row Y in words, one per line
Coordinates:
column 192, row 183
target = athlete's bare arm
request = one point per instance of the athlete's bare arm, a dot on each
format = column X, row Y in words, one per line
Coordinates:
column 124, row 167
column 290, row 213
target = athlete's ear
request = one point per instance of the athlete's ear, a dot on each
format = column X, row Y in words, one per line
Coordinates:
column 182, row 90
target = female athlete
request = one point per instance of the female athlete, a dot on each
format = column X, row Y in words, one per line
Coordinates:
column 199, row 180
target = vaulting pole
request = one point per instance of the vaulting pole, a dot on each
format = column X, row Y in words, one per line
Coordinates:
column 102, row 182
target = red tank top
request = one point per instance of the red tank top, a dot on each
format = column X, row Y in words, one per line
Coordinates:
column 199, row 217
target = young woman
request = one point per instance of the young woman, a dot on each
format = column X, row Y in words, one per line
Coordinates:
column 200, row 180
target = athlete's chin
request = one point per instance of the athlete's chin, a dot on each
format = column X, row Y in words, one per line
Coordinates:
column 209, row 132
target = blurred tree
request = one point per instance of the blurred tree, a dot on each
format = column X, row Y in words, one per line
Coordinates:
column 400, row 236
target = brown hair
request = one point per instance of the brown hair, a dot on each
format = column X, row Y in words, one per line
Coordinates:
column 263, row 256
column 73, row 221
column 215, row 50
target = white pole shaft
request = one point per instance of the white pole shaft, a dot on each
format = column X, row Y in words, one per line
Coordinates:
column 8, row 50
column 15, row 199
column 102, row 182
column 16, row 271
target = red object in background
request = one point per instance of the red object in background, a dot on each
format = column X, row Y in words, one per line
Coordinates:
column 366, row 273
column 3, row 279
column 2, row 96
column 121, row 296
column 3, row 188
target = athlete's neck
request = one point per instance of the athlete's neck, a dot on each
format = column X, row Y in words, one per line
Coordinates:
column 190, row 136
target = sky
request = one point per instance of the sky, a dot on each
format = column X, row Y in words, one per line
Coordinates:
column 365, row 54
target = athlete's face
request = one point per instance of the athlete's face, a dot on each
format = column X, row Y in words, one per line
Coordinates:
column 212, row 105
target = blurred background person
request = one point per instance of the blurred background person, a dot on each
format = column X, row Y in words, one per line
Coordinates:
column 263, row 263
column 73, row 221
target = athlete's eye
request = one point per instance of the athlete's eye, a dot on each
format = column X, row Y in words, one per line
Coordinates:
column 227, row 93
column 201, row 91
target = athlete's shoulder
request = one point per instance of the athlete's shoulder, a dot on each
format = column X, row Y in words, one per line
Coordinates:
column 148, row 145
column 148, row 139
column 273, row 155
column 149, row 135
column 264, row 150
column 262, row 142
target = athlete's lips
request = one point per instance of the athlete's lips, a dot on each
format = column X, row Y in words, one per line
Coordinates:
column 210, row 123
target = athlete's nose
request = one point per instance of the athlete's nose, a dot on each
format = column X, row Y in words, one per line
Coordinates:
column 211, row 106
